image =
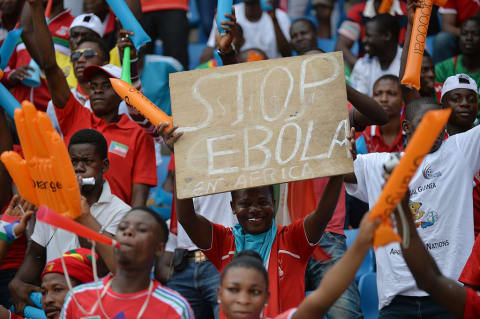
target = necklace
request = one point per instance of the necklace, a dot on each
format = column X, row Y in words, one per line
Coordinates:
column 142, row 309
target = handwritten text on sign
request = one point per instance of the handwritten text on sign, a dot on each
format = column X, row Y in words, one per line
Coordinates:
column 260, row 123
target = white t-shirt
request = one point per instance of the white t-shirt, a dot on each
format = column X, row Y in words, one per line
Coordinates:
column 259, row 34
column 216, row 208
column 441, row 202
column 367, row 70
column 108, row 211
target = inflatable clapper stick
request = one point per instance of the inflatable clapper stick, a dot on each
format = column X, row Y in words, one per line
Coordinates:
column 46, row 175
column 126, row 74
column 8, row 46
column 223, row 7
column 48, row 216
column 7, row 101
column 385, row 6
column 129, row 22
column 418, row 38
column 140, row 102
column 421, row 143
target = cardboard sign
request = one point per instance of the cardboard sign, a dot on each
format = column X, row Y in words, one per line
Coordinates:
column 260, row 123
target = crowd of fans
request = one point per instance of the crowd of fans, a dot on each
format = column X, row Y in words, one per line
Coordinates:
column 235, row 255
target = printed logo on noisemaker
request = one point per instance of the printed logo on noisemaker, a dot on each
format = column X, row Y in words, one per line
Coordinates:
column 429, row 173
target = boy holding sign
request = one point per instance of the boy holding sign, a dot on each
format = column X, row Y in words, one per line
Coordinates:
column 285, row 250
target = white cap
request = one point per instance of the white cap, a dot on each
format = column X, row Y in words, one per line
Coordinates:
column 459, row 81
column 89, row 21
column 111, row 70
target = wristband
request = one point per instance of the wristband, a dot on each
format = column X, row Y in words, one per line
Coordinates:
column 7, row 232
column 102, row 230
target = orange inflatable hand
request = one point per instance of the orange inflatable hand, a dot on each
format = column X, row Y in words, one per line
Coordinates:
column 140, row 102
column 430, row 127
column 46, row 175
column 385, row 6
column 418, row 38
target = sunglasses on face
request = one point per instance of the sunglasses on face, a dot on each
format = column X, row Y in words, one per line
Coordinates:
column 87, row 53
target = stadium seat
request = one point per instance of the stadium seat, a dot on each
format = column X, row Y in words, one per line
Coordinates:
column 194, row 53
column 367, row 266
column 351, row 234
column 367, row 287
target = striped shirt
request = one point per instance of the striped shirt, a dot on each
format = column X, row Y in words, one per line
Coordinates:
column 163, row 301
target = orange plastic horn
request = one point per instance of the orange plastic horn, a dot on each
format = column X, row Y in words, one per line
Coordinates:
column 385, row 6
column 421, row 143
column 417, row 42
column 140, row 102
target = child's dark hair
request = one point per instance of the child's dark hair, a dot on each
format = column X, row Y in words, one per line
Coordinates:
column 308, row 22
column 161, row 222
column 247, row 259
column 89, row 136
column 389, row 77
column 101, row 44
column 419, row 105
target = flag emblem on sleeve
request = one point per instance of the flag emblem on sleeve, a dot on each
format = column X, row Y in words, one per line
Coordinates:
column 118, row 148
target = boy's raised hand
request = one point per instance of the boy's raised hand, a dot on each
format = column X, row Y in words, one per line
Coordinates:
column 225, row 39
column 411, row 6
column 22, row 209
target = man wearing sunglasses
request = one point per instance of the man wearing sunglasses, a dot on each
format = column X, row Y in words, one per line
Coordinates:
column 90, row 51
column 131, row 151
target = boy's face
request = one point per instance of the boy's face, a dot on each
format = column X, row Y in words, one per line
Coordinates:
column 464, row 104
column 389, row 95
column 303, row 37
column 103, row 98
column 139, row 235
column 469, row 40
column 427, row 76
column 87, row 163
column 374, row 39
column 86, row 59
column 254, row 209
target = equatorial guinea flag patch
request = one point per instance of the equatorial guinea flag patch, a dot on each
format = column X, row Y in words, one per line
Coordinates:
column 118, row 148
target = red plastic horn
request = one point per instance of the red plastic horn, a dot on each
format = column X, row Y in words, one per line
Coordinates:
column 48, row 216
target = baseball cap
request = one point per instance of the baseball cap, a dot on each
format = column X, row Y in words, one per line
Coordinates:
column 459, row 81
column 89, row 21
column 112, row 71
